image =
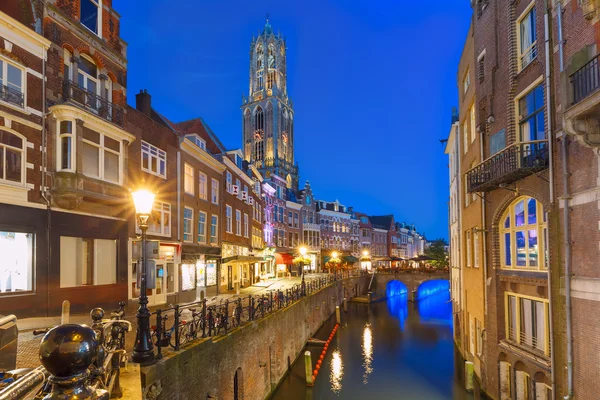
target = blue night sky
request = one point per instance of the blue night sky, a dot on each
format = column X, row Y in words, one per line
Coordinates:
column 373, row 84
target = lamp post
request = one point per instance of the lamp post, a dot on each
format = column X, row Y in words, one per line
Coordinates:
column 303, row 254
column 334, row 256
column 143, row 352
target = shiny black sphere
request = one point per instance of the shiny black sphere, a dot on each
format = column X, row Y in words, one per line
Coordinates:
column 97, row 314
column 68, row 350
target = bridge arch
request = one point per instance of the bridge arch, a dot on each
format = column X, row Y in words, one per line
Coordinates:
column 395, row 288
column 431, row 287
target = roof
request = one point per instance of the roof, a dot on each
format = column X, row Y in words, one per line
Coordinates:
column 382, row 221
column 201, row 128
column 21, row 10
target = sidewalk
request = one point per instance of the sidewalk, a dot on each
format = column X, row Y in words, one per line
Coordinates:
column 28, row 344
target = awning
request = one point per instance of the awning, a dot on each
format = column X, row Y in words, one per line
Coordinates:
column 190, row 253
column 283, row 258
column 422, row 257
column 397, row 259
column 350, row 259
column 382, row 259
column 242, row 259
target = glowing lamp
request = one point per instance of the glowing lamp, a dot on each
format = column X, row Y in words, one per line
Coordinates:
column 143, row 200
column 303, row 250
column 334, row 254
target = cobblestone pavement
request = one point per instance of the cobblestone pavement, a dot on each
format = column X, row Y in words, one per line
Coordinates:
column 28, row 344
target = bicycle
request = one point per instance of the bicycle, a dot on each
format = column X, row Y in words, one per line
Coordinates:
column 168, row 335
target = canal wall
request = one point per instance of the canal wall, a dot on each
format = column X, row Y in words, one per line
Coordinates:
column 256, row 355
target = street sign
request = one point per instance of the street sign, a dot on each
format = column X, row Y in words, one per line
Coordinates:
column 152, row 247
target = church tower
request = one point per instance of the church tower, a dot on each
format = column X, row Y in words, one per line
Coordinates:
column 267, row 112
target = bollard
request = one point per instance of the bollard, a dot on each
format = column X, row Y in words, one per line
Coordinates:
column 308, row 368
column 345, row 304
column 158, row 334
column 469, row 372
column 176, row 324
column 66, row 312
column 337, row 315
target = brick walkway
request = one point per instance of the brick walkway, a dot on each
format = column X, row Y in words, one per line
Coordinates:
column 28, row 344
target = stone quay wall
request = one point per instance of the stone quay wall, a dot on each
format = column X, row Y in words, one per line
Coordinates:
column 259, row 353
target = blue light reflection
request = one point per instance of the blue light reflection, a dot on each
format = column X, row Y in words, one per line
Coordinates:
column 432, row 287
column 395, row 288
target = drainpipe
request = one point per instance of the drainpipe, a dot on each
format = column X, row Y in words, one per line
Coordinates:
column 550, row 136
column 567, row 227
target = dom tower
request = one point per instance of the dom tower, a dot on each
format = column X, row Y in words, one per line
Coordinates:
column 268, row 114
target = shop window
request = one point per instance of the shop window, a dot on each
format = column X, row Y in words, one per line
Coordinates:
column 17, row 271
column 87, row 262
column 12, row 158
column 188, row 277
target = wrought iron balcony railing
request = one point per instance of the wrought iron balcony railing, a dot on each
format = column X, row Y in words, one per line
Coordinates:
column 585, row 80
column 509, row 165
column 93, row 103
column 12, row 96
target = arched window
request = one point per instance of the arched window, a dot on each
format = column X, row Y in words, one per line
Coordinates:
column 12, row 158
column 260, row 55
column 522, row 235
column 259, row 131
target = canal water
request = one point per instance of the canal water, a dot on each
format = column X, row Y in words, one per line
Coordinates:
column 394, row 349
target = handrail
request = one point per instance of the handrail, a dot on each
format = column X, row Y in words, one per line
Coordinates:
column 24, row 385
column 93, row 102
column 516, row 144
column 8, row 318
column 585, row 80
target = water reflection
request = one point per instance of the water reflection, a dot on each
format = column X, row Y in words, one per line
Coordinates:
column 395, row 288
column 337, row 371
column 436, row 308
column 367, row 351
column 432, row 287
column 398, row 307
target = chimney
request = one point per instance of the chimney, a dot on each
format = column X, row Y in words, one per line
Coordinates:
column 143, row 102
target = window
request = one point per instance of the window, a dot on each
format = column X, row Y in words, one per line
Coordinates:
column 290, row 219
column 201, row 227
column 228, row 221
column 66, row 155
column 522, row 235
column 11, row 83
column 478, row 337
column 203, row 186
column 527, row 321
column 468, row 235
column 86, row 262
column 467, row 194
column 188, row 216
column 198, row 141
column 214, row 224
column 238, row 222
column 101, row 156
column 481, row 6
column 246, row 225
column 16, row 274
column 188, row 183
column 228, row 180
column 154, row 160
column 465, row 137
column 476, row 249
column 481, row 68
column 466, row 82
column 296, row 221
column 256, row 186
column 472, row 126
column 527, row 39
column 90, row 15
column 215, row 191
column 239, row 188
column 531, row 117
column 159, row 222
column 497, row 142
column 12, row 158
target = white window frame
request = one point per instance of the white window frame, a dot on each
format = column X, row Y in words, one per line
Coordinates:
column 97, row 3
column 521, row 53
column 228, row 180
column 214, row 218
column 475, row 249
column 23, row 152
column 214, row 191
column 468, row 244
column 246, row 234
column 154, row 153
column 238, row 183
column 71, row 136
column 188, row 179
column 472, row 123
column 238, row 222
column 102, row 149
column 197, row 140
column 466, row 81
column 189, row 233
column 4, row 78
column 228, row 219
column 202, row 185
column 203, row 233
column 162, row 209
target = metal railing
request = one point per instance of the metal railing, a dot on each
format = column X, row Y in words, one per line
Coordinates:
column 585, row 80
column 12, row 96
column 512, row 163
column 93, row 103
column 526, row 341
column 179, row 325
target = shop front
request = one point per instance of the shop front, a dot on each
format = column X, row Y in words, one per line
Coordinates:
column 284, row 264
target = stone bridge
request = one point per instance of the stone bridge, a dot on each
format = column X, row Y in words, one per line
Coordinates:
column 412, row 279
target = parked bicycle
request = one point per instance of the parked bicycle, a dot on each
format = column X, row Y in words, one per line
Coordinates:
column 168, row 335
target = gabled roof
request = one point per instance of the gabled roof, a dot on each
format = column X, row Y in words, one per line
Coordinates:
column 201, row 128
column 382, row 221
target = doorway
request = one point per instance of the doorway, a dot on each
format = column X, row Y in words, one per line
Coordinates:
column 158, row 295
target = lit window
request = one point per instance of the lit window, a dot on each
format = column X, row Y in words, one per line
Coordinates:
column 522, row 235
column 159, row 222
column 214, row 225
column 188, row 183
column 527, row 321
column 203, row 186
column 527, row 37
column 12, row 158
column 228, row 219
column 214, row 191
column 238, row 222
column 228, row 180
column 188, row 216
column 87, row 262
column 101, row 156
column 16, row 274
column 154, row 160
column 90, row 15
column 65, row 146
column 201, row 227
column 11, row 83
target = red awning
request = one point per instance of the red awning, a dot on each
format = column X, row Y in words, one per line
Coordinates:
column 283, row 258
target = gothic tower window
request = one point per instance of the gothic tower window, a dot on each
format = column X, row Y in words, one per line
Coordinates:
column 259, row 131
column 259, row 66
column 247, row 132
column 284, row 134
column 271, row 80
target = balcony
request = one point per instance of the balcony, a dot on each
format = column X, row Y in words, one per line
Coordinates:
column 71, row 188
column 583, row 99
column 509, row 165
column 93, row 103
column 12, row 96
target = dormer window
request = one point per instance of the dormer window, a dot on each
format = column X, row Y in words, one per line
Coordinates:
column 90, row 15
column 198, row 141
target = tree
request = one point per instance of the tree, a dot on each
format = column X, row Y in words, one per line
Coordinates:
column 437, row 252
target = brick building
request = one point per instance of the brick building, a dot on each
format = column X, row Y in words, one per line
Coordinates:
column 339, row 230
column 311, row 229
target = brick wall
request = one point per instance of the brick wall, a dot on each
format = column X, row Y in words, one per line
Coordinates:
column 261, row 349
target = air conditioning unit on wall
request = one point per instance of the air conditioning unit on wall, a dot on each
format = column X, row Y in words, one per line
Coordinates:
column 589, row 8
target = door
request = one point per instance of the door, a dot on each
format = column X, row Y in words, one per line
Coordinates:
column 160, row 291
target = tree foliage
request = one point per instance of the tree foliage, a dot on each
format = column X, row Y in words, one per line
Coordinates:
column 437, row 251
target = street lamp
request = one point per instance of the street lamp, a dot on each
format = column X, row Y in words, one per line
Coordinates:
column 303, row 254
column 143, row 352
column 334, row 256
